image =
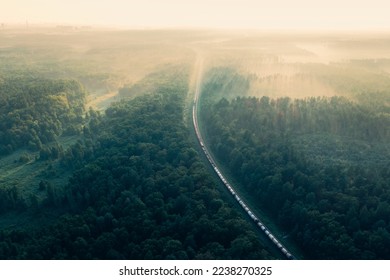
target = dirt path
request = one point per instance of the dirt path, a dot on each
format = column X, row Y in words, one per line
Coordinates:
column 102, row 101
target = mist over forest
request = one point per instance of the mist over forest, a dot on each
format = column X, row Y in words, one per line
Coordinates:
column 100, row 154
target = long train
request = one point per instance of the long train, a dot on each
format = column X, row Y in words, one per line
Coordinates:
column 231, row 189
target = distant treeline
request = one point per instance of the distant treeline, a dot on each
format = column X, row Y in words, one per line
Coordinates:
column 319, row 166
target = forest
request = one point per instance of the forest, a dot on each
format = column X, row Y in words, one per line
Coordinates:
column 319, row 166
column 99, row 158
column 34, row 112
column 138, row 191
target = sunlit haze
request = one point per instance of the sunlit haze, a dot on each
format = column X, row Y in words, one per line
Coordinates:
column 256, row 14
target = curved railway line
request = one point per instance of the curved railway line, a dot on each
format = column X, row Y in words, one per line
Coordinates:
column 231, row 189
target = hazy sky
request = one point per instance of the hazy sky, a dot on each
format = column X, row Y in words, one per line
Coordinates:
column 343, row 14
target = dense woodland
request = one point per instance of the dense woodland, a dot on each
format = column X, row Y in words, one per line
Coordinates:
column 318, row 166
column 139, row 191
column 127, row 181
column 34, row 112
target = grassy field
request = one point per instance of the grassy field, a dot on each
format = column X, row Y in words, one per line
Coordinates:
column 26, row 175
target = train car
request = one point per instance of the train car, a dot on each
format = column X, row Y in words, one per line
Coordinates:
column 243, row 205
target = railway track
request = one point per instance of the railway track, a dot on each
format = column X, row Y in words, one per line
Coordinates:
column 230, row 188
